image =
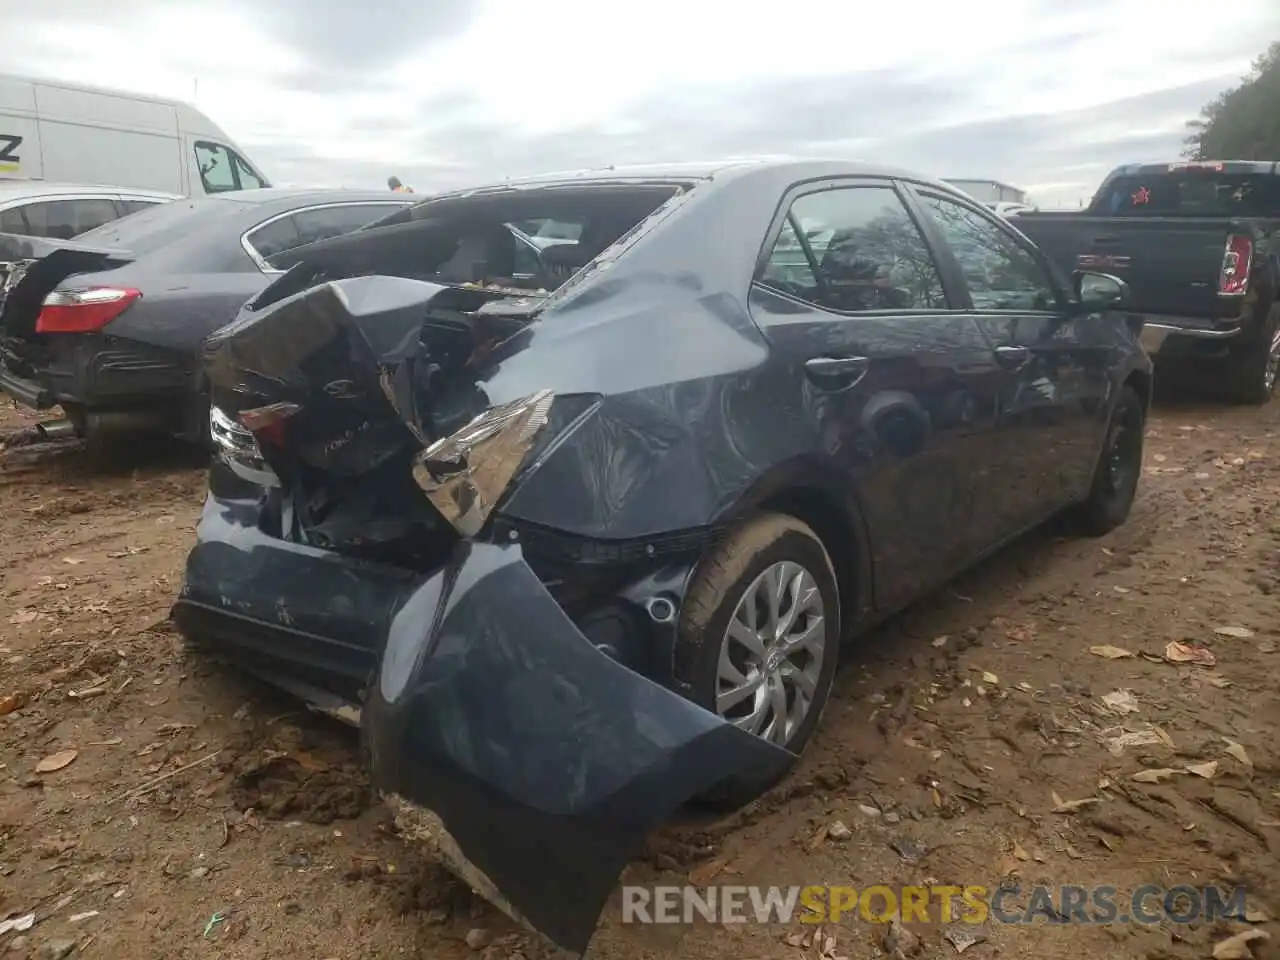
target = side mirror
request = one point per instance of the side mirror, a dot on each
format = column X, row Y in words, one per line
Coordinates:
column 1099, row 292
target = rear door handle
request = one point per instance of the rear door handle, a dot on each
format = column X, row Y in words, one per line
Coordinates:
column 836, row 373
column 1012, row 357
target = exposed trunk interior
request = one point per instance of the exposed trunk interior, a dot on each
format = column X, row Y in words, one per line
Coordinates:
column 367, row 350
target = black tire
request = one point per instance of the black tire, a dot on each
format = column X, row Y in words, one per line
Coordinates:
column 1253, row 366
column 720, row 582
column 1115, row 478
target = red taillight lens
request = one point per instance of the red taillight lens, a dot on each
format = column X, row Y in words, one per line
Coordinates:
column 83, row 311
column 1237, row 260
column 268, row 423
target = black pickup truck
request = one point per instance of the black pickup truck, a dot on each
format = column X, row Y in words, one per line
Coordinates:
column 1198, row 243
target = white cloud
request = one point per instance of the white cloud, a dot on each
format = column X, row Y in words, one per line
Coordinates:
column 460, row 92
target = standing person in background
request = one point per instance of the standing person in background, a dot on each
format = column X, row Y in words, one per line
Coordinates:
column 398, row 187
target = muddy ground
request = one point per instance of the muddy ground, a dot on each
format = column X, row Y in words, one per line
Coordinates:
column 183, row 791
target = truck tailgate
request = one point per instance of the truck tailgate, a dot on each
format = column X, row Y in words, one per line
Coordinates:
column 1172, row 265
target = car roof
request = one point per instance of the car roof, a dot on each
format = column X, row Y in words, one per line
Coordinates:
column 799, row 168
column 39, row 189
column 306, row 195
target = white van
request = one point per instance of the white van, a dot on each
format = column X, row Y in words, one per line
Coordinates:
column 61, row 132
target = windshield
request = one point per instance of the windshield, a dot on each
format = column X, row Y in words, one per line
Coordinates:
column 150, row 230
column 1192, row 193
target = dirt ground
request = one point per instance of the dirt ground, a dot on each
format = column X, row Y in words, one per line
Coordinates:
column 184, row 792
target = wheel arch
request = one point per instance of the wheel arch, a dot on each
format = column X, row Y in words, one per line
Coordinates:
column 821, row 497
column 1141, row 381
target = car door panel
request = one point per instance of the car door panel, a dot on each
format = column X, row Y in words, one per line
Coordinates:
column 906, row 393
column 1053, row 378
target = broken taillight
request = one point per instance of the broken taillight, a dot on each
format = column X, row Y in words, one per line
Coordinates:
column 1237, row 260
column 83, row 311
column 268, row 423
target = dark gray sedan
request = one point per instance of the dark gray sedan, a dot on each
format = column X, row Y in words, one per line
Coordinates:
column 580, row 544
column 109, row 325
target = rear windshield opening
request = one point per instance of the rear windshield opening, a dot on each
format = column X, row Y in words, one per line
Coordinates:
column 1193, row 193
column 527, row 239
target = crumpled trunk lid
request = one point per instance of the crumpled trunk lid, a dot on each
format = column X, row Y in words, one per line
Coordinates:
column 341, row 385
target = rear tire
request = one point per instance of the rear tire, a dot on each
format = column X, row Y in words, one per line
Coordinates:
column 767, row 667
column 1115, row 478
column 1253, row 366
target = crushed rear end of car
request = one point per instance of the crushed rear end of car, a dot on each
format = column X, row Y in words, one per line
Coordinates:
column 512, row 682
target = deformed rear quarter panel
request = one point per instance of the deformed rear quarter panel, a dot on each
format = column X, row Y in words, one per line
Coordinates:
column 694, row 420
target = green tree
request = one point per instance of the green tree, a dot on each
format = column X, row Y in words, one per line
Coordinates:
column 1244, row 122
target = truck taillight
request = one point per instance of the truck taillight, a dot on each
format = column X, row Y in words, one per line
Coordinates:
column 1237, row 260
column 83, row 311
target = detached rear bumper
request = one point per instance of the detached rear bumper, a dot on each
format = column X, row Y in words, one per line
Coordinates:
column 534, row 764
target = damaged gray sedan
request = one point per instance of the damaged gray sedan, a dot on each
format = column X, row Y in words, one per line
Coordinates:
column 577, row 536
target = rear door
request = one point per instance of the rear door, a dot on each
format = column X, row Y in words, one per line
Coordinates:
column 1055, row 383
column 851, row 297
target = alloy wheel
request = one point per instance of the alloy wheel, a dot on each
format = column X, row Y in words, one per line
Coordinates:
column 1273, row 363
column 772, row 653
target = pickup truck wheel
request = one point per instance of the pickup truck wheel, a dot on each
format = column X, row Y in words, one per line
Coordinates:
column 1255, row 366
column 1115, row 479
column 759, row 637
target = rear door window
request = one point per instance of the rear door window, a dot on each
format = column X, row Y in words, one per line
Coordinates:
column 326, row 222
column 12, row 221
column 311, row 225
column 89, row 214
column 133, row 205
column 275, row 237
column 1002, row 274
column 53, row 219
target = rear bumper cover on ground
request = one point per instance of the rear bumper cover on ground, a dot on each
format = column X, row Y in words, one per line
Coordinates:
column 543, row 762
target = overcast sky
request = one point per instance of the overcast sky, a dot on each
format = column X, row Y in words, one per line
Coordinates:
column 1044, row 94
